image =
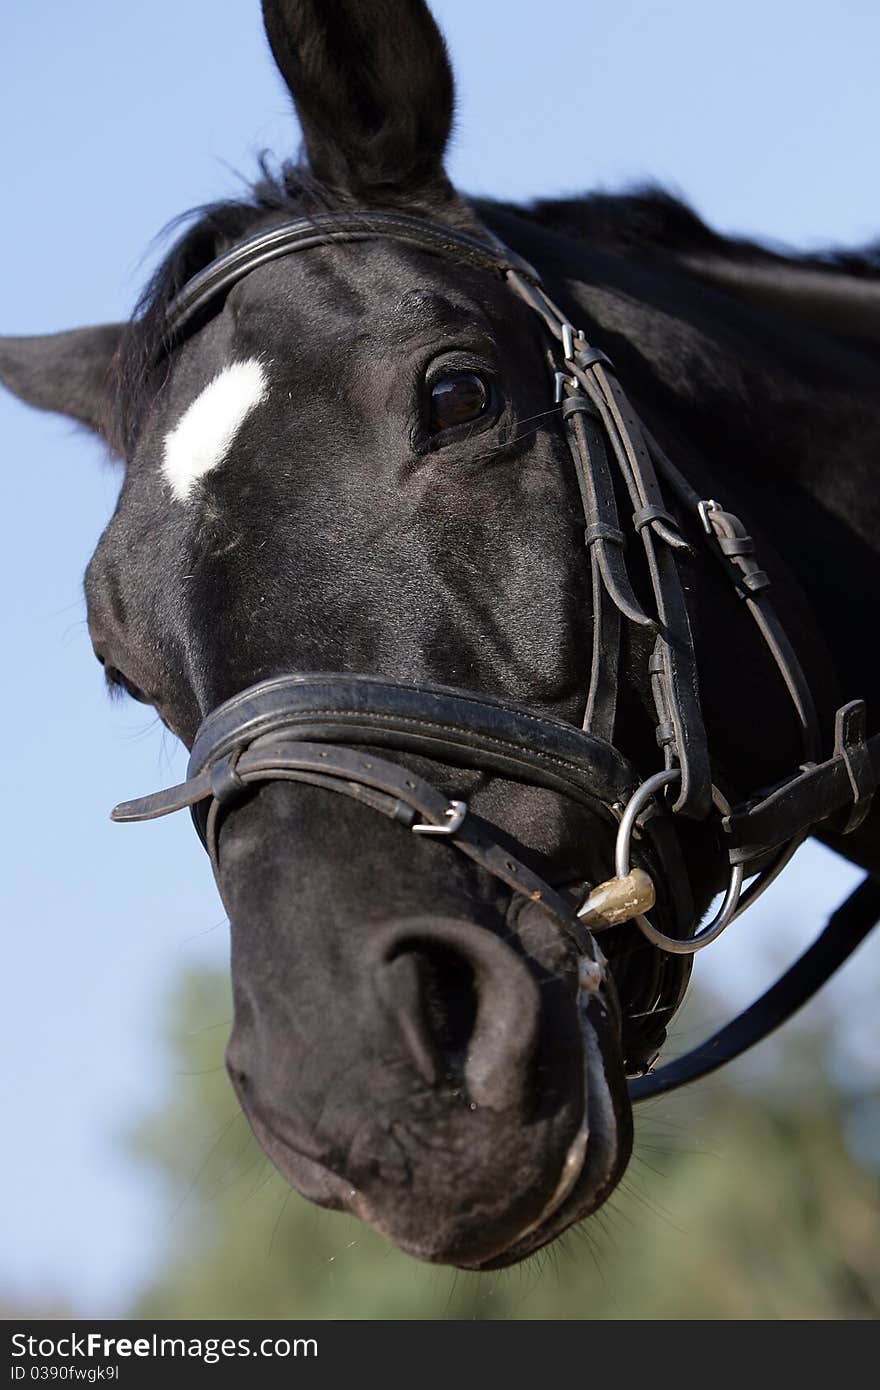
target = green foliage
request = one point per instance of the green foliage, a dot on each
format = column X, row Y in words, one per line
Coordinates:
column 735, row 1206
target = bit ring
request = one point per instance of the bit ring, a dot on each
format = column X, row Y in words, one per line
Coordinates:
column 727, row 910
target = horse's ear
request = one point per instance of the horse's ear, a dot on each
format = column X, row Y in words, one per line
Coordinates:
column 65, row 372
column 373, row 90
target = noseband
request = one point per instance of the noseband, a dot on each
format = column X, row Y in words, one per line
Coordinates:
column 324, row 730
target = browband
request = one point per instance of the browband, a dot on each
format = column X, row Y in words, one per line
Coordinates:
column 321, row 229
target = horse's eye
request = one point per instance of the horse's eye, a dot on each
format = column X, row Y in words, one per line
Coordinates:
column 117, row 684
column 458, row 398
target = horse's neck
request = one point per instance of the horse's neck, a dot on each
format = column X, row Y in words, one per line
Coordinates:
column 826, row 297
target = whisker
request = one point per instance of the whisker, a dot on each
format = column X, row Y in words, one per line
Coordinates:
column 278, row 1221
column 262, row 1179
column 541, row 415
column 208, row 1028
column 190, row 1188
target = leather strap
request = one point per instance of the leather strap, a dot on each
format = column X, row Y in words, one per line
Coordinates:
column 604, row 541
column 684, row 743
column 454, row 726
column 602, row 533
column 398, row 793
column 734, row 549
column 394, row 791
column 845, row 783
column 319, row 229
column 292, row 728
column 851, row 746
column 846, row 929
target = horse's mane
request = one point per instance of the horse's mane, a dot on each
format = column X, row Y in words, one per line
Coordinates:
column 645, row 222
column 649, row 220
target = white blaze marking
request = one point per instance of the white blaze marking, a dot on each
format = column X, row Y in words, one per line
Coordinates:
column 202, row 436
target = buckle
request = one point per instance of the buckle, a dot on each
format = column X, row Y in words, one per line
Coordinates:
column 455, row 813
column 851, row 746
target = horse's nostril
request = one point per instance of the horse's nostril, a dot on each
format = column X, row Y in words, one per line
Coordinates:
column 431, row 990
column 449, row 999
column 466, row 1006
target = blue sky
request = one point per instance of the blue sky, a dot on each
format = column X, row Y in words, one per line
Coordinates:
column 113, row 119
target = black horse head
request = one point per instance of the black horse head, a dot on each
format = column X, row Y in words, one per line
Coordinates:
column 350, row 462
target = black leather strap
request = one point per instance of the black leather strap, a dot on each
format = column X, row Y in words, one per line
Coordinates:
column 604, row 541
column 851, row 746
column 398, row 793
column 395, row 791
column 300, row 727
column 734, row 549
column 688, row 747
column 590, row 373
column 319, row 229
column 454, row 726
column 849, row 926
column 602, row 532
column 843, row 784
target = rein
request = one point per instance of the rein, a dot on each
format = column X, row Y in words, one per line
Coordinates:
column 301, row 727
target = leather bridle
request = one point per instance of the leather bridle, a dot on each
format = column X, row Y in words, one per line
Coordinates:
column 323, row 729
